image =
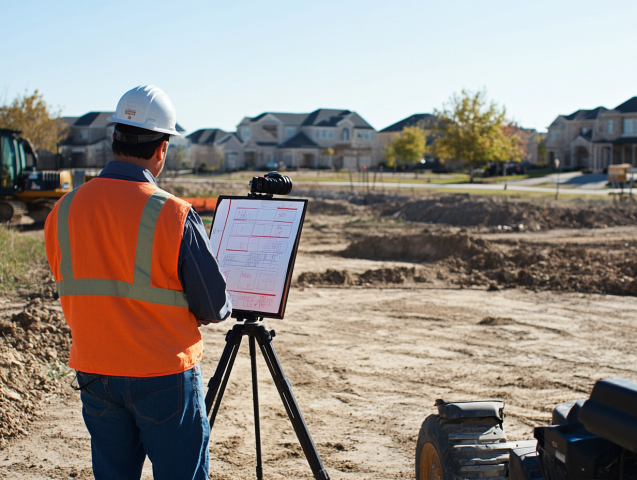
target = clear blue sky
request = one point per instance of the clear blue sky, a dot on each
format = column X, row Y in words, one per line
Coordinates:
column 221, row 61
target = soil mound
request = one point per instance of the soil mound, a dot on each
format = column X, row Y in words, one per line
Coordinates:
column 466, row 210
column 381, row 276
column 34, row 351
column 332, row 207
column 423, row 247
column 476, row 261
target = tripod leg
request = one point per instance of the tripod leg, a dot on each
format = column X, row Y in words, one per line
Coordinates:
column 292, row 408
column 255, row 401
column 224, row 368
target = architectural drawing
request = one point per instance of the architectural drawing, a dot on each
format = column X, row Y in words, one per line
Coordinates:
column 253, row 241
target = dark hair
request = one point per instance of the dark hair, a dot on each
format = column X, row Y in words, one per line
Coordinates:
column 140, row 150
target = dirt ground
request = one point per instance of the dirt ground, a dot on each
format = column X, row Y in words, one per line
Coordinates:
column 369, row 356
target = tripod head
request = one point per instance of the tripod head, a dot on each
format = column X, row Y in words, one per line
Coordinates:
column 247, row 318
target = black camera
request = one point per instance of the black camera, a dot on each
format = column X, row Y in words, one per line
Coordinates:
column 272, row 183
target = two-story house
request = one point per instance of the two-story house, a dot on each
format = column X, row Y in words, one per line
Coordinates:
column 321, row 139
column 88, row 143
column 615, row 140
column 594, row 138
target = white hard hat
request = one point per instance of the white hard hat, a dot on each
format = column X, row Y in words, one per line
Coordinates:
column 147, row 107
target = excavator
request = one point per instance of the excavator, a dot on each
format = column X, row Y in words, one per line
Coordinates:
column 26, row 194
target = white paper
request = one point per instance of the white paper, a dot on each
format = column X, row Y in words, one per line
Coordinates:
column 253, row 241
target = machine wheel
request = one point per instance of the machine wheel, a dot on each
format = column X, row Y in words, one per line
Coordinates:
column 474, row 448
column 12, row 211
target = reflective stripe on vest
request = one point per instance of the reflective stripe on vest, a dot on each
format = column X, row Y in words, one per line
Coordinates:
column 141, row 288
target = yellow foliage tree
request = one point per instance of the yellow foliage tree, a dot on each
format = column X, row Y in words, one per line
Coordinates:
column 38, row 121
column 476, row 132
column 407, row 147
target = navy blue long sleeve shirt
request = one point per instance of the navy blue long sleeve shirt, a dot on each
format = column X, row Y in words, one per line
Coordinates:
column 201, row 280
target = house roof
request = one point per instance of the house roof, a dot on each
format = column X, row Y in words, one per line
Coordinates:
column 300, row 140
column 323, row 117
column 426, row 118
column 287, row 118
column 94, row 119
column 206, row 136
column 586, row 114
column 327, row 117
column 629, row 106
column 227, row 138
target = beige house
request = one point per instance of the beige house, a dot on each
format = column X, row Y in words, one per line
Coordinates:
column 215, row 148
column 302, row 140
column 594, row 138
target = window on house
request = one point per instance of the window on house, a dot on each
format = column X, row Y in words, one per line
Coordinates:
column 290, row 131
column 630, row 126
column 231, row 159
column 325, row 133
column 345, row 134
column 82, row 134
column 365, row 135
column 610, row 126
column 245, row 134
column 553, row 134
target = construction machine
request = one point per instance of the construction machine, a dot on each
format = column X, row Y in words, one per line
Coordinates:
column 588, row 439
column 26, row 194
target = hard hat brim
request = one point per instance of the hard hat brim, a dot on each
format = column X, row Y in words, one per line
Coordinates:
column 144, row 126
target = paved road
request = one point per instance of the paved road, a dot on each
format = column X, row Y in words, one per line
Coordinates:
column 472, row 186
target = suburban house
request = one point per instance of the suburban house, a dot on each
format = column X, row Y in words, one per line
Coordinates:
column 594, row 138
column 88, row 144
column 529, row 136
column 422, row 120
column 321, row 139
column 214, row 147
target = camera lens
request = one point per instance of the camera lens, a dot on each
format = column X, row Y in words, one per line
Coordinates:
column 271, row 184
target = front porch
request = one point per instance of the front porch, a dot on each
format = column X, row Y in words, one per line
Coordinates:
column 617, row 152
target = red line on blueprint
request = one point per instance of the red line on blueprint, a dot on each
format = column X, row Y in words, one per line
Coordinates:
column 282, row 208
column 254, row 293
column 224, row 229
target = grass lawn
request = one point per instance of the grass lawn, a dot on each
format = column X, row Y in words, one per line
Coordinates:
column 20, row 255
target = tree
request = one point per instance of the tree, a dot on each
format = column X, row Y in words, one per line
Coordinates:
column 476, row 132
column 407, row 147
column 38, row 121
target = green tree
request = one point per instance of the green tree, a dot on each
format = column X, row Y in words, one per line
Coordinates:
column 475, row 131
column 38, row 121
column 407, row 147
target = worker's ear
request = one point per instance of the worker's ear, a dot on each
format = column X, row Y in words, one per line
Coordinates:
column 161, row 151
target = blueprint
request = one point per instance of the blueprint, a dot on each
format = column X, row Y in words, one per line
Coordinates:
column 253, row 241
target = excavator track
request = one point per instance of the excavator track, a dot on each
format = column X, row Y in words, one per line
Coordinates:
column 12, row 211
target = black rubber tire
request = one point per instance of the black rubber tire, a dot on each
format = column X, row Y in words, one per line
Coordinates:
column 473, row 448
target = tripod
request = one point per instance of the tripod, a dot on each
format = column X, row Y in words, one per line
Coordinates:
column 258, row 331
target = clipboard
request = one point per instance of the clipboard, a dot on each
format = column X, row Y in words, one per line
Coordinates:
column 255, row 241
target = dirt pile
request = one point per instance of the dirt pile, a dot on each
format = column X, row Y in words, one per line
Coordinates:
column 466, row 210
column 380, row 276
column 476, row 261
column 333, row 207
column 34, row 350
column 422, row 247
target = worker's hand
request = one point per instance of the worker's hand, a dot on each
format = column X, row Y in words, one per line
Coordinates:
column 205, row 322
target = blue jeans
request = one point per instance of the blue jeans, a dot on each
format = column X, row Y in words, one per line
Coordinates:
column 162, row 417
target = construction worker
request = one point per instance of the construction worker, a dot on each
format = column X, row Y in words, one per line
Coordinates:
column 136, row 277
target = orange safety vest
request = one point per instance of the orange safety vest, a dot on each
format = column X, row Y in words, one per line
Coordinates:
column 113, row 246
